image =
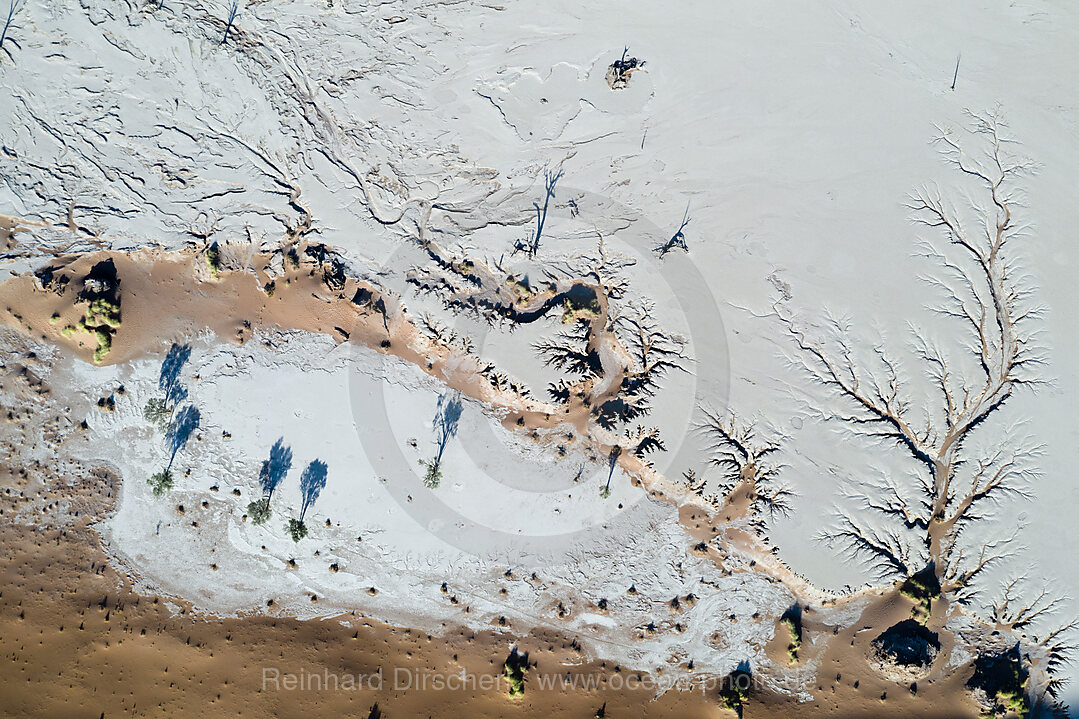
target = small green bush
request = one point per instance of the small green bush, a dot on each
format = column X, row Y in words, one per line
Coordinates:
column 104, row 344
column 259, row 511
column 156, row 413
column 433, row 476
column 514, row 669
column 297, row 529
column 161, row 482
column 103, row 313
column 213, row 259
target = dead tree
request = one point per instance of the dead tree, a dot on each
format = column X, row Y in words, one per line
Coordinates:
column 13, row 7
column 234, row 10
column 987, row 299
column 531, row 246
column 677, row 239
column 619, row 71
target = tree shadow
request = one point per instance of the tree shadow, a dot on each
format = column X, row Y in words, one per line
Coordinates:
column 312, row 481
column 169, row 379
column 102, row 281
column 183, row 425
column 612, row 462
column 678, row 239
column 447, row 418
column 735, row 687
column 514, row 669
column 531, row 246
column 275, row 468
column 793, row 615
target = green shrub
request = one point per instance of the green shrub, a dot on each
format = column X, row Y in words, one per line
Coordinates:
column 572, row 311
column 213, row 259
column 735, row 690
column 103, row 313
column 1004, row 679
column 795, row 640
column 101, row 320
column 104, row 344
column 259, row 511
column 921, row 588
column 792, row 620
column 433, row 476
column 161, row 482
column 156, row 413
column 1015, row 702
column 297, row 529
column 514, row 669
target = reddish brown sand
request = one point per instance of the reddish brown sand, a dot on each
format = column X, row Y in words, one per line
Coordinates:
column 166, row 295
column 78, row 641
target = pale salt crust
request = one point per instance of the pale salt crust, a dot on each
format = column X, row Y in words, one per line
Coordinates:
column 794, row 134
column 302, row 391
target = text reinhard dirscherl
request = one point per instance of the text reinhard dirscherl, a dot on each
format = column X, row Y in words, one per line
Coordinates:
column 409, row 679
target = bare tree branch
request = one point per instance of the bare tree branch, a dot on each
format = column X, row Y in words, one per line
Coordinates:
column 13, row 8
column 233, row 11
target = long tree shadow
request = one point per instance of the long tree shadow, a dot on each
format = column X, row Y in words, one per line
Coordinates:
column 312, row 482
column 181, row 429
column 447, row 418
column 612, row 462
column 275, row 468
column 446, row 421
column 169, row 379
column 531, row 246
column 159, row 410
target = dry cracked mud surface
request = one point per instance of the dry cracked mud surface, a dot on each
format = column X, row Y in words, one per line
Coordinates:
column 432, row 358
